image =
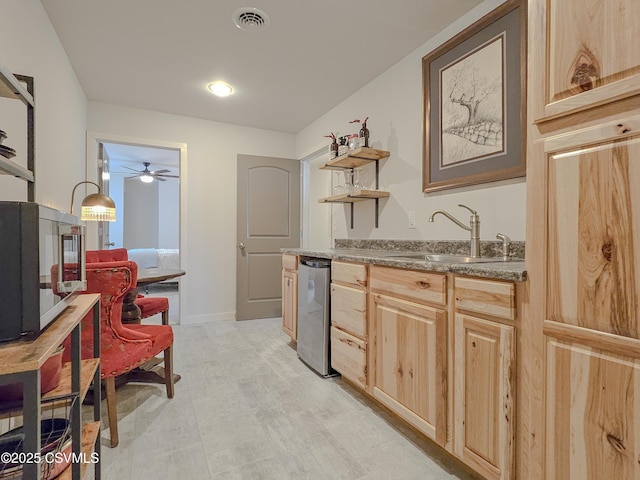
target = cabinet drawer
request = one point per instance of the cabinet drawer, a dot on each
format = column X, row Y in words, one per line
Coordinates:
column 409, row 284
column 349, row 356
column 290, row 262
column 486, row 296
column 349, row 273
column 349, row 309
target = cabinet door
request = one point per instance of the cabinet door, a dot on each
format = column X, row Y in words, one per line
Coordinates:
column 484, row 396
column 290, row 303
column 593, row 413
column 594, row 223
column 594, row 53
column 411, row 363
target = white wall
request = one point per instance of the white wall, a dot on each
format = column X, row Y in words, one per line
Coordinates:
column 169, row 213
column 141, row 214
column 393, row 101
column 30, row 46
column 209, row 181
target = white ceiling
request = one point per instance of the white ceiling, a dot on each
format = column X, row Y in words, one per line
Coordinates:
column 123, row 157
column 161, row 54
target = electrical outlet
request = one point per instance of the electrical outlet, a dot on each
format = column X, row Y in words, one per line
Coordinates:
column 412, row 219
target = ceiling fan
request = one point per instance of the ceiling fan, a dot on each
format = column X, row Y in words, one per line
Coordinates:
column 148, row 176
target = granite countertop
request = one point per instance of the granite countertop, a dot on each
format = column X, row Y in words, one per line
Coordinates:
column 509, row 270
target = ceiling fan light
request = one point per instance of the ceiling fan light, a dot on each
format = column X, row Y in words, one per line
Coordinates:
column 146, row 178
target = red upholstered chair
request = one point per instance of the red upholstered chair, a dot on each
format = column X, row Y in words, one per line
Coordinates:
column 123, row 348
column 113, row 255
column 149, row 306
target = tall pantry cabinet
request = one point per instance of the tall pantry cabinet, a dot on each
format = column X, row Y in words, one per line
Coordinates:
column 582, row 356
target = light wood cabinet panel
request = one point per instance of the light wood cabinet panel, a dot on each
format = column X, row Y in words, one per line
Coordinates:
column 349, row 309
column 289, row 262
column 349, row 274
column 594, row 248
column 484, row 394
column 411, row 363
column 290, row 303
column 409, row 284
column 583, row 207
column 349, row 356
column 593, row 53
column 593, row 414
column 486, row 296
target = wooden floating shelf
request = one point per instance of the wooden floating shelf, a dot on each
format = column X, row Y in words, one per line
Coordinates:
column 87, row 369
column 90, row 432
column 355, row 158
column 356, row 196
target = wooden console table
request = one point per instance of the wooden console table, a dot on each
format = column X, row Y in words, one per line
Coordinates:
column 20, row 362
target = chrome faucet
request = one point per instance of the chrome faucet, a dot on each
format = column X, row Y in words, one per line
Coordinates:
column 506, row 246
column 473, row 227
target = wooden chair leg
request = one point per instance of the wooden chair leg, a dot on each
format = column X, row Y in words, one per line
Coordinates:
column 168, row 370
column 165, row 317
column 112, row 410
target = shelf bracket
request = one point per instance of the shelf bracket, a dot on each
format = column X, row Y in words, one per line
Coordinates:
column 351, row 215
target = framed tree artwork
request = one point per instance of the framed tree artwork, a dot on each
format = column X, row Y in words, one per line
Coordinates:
column 473, row 103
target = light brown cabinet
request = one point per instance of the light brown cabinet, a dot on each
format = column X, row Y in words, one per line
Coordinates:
column 484, row 375
column 593, row 418
column 592, row 53
column 290, row 295
column 484, row 392
column 583, row 214
column 410, row 341
column 349, row 331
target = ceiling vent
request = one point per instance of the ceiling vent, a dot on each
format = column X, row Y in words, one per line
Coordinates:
column 251, row 19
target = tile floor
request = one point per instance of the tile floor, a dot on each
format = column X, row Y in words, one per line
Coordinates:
column 247, row 408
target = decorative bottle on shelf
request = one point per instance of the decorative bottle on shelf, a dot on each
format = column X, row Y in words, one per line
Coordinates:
column 333, row 149
column 364, row 134
column 343, row 147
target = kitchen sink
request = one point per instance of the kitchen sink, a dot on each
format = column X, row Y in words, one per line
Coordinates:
column 447, row 258
column 409, row 256
column 462, row 259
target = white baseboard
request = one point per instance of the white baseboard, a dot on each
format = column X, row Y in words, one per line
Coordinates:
column 210, row 317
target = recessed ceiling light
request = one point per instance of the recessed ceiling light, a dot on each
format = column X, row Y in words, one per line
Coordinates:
column 221, row 89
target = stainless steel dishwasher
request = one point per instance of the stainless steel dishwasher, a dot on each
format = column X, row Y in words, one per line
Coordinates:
column 314, row 277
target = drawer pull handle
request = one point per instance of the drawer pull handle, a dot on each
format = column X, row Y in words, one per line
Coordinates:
column 423, row 285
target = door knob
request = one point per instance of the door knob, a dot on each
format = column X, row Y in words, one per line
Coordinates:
column 110, row 244
column 242, row 246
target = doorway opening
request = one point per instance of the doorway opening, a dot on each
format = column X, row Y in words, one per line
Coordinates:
column 146, row 179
